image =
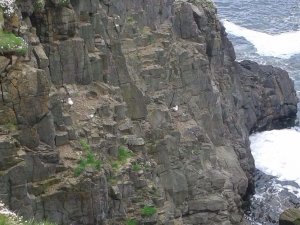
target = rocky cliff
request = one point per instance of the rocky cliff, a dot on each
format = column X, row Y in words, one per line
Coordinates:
column 150, row 90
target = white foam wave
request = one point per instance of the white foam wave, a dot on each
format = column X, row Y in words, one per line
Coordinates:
column 281, row 45
column 277, row 153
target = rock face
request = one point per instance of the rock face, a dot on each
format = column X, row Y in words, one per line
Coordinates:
column 156, row 77
column 273, row 96
column 290, row 217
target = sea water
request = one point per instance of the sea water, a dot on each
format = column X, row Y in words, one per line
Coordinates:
column 268, row 32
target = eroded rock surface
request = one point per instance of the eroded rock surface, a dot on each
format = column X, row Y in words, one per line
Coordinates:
column 158, row 77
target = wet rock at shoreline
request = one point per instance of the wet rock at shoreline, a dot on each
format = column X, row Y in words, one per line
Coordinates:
column 290, row 217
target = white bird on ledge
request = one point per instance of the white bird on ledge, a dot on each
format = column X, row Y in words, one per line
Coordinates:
column 70, row 102
column 175, row 108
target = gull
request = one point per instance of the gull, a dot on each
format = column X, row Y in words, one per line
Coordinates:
column 175, row 108
column 70, row 102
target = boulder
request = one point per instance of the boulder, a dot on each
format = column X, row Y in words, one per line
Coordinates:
column 290, row 217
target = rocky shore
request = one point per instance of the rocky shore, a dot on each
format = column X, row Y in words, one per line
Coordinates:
column 145, row 100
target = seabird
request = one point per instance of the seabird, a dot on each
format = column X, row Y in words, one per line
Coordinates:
column 70, row 102
column 175, row 108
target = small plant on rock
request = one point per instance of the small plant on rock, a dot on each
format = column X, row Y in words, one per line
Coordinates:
column 148, row 211
column 124, row 154
column 84, row 145
column 136, row 167
column 131, row 221
column 10, row 44
column 89, row 161
column 39, row 5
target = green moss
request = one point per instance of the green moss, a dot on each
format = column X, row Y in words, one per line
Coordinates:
column 148, row 211
column 10, row 44
column 131, row 221
column 39, row 5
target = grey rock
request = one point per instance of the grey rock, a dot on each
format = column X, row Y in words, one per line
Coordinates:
column 4, row 62
column 46, row 130
column 290, row 217
column 208, row 203
column 72, row 133
column 42, row 59
column 61, row 138
column 135, row 101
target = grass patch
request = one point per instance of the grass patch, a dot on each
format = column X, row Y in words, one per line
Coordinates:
column 89, row 160
column 136, row 167
column 131, row 221
column 84, row 145
column 124, row 154
column 11, row 44
column 148, row 211
column 4, row 220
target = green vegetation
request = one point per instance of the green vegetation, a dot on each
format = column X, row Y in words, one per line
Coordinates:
column 124, row 154
column 84, row 145
column 4, row 220
column 115, row 165
column 10, row 125
column 89, row 161
column 10, row 44
column 148, row 211
column 136, row 167
column 15, row 220
column 131, row 221
column 63, row 3
column 39, row 5
column 130, row 19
